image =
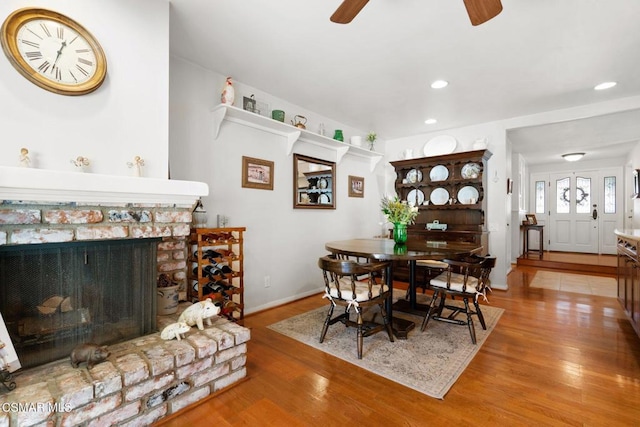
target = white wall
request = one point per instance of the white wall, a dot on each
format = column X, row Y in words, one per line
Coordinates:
column 280, row 242
column 126, row 117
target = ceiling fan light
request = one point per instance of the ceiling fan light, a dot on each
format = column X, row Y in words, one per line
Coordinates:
column 439, row 84
column 572, row 157
column 430, row 121
column 605, row 85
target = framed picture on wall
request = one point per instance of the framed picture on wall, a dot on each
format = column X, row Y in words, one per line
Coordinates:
column 356, row 186
column 257, row 173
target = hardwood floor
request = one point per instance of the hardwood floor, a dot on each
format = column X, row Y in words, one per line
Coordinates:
column 554, row 359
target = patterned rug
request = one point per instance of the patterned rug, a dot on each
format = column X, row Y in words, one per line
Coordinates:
column 429, row 362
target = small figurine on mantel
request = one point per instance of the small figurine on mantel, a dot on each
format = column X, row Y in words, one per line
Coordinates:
column 228, row 93
column 90, row 353
column 81, row 163
column 175, row 330
column 25, row 161
column 199, row 313
column 136, row 165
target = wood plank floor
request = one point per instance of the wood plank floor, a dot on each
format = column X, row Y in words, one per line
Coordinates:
column 554, row 359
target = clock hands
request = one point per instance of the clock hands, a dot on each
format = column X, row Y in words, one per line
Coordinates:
column 64, row 44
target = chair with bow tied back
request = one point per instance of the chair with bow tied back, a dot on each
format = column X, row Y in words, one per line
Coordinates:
column 357, row 285
column 468, row 279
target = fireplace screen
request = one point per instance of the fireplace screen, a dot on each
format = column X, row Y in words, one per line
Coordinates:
column 56, row 296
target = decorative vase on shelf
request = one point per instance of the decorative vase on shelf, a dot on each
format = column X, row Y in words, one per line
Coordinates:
column 338, row 136
column 400, row 233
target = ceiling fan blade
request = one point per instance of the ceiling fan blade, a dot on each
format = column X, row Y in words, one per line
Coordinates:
column 347, row 11
column 480, row 11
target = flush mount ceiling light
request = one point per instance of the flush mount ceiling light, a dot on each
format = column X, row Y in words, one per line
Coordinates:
column 430, row 121
column 605, row 85
column 572, row 157
column 439, row 84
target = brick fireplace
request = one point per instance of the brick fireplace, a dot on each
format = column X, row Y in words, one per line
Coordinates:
column 146, row 378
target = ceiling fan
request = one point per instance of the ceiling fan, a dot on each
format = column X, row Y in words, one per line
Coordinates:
column 479, row 11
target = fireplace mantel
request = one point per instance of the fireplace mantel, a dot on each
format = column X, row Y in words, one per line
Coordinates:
column 42, row 185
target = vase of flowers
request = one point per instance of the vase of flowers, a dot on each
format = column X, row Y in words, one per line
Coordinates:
column 371, row 137
column 400, row 214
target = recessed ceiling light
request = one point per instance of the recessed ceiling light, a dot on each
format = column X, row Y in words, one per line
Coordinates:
column 605, row 85
column 431, row 121
column 439, row 84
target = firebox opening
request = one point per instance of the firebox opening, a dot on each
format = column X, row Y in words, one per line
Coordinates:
column 58, row 295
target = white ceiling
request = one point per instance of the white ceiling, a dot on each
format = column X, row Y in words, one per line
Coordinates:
column 374, row 73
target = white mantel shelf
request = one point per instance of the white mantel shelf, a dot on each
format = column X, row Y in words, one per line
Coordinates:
column 43, row 185
column 291, row 133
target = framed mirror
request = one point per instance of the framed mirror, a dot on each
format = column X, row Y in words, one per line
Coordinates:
column 314, row 183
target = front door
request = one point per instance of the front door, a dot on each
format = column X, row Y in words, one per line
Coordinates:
column 583, row 209
column 572, row 225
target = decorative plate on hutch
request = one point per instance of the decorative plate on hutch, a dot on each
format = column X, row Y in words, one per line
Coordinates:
column 439, row 196
column 439, row 145
column 439, row 173
column 468, row 195
column 414, row 175
column 470, row 171
column 415, row 197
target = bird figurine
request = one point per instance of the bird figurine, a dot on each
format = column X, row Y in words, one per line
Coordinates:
column 228, row 93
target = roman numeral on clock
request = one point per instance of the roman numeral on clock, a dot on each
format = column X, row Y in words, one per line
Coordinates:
column 30, row 43
column 85, row 62
column 82, row 70
column 44, row 66
column 45, row 29
column 60, row 32
column 33, row 55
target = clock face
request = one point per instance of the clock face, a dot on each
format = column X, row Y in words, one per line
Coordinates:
column 56, row 51
column 53, row 51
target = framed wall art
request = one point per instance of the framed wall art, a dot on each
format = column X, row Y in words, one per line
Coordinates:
column 356, row 186
column 257, row 173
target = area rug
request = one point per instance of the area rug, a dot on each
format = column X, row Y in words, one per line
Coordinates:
column 429, row 362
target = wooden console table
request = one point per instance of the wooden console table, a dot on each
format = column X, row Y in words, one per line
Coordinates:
column 525, row 240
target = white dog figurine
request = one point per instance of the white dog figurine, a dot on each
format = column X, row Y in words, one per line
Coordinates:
column 202, row 310
column 175, row 330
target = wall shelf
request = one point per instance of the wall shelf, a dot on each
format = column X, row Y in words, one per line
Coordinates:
column 293, row 134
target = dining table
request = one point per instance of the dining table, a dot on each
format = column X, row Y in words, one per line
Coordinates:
column 383, row 249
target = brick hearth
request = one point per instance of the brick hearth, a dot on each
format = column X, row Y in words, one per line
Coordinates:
column 142, row 381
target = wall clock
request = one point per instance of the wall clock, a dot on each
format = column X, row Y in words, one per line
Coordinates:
column 53, row 51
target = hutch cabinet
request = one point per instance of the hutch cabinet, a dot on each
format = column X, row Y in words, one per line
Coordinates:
column 449, row 191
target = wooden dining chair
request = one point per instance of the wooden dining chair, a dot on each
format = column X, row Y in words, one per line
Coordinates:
column 357, row 285
column 467, row 279
column 428, row 268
